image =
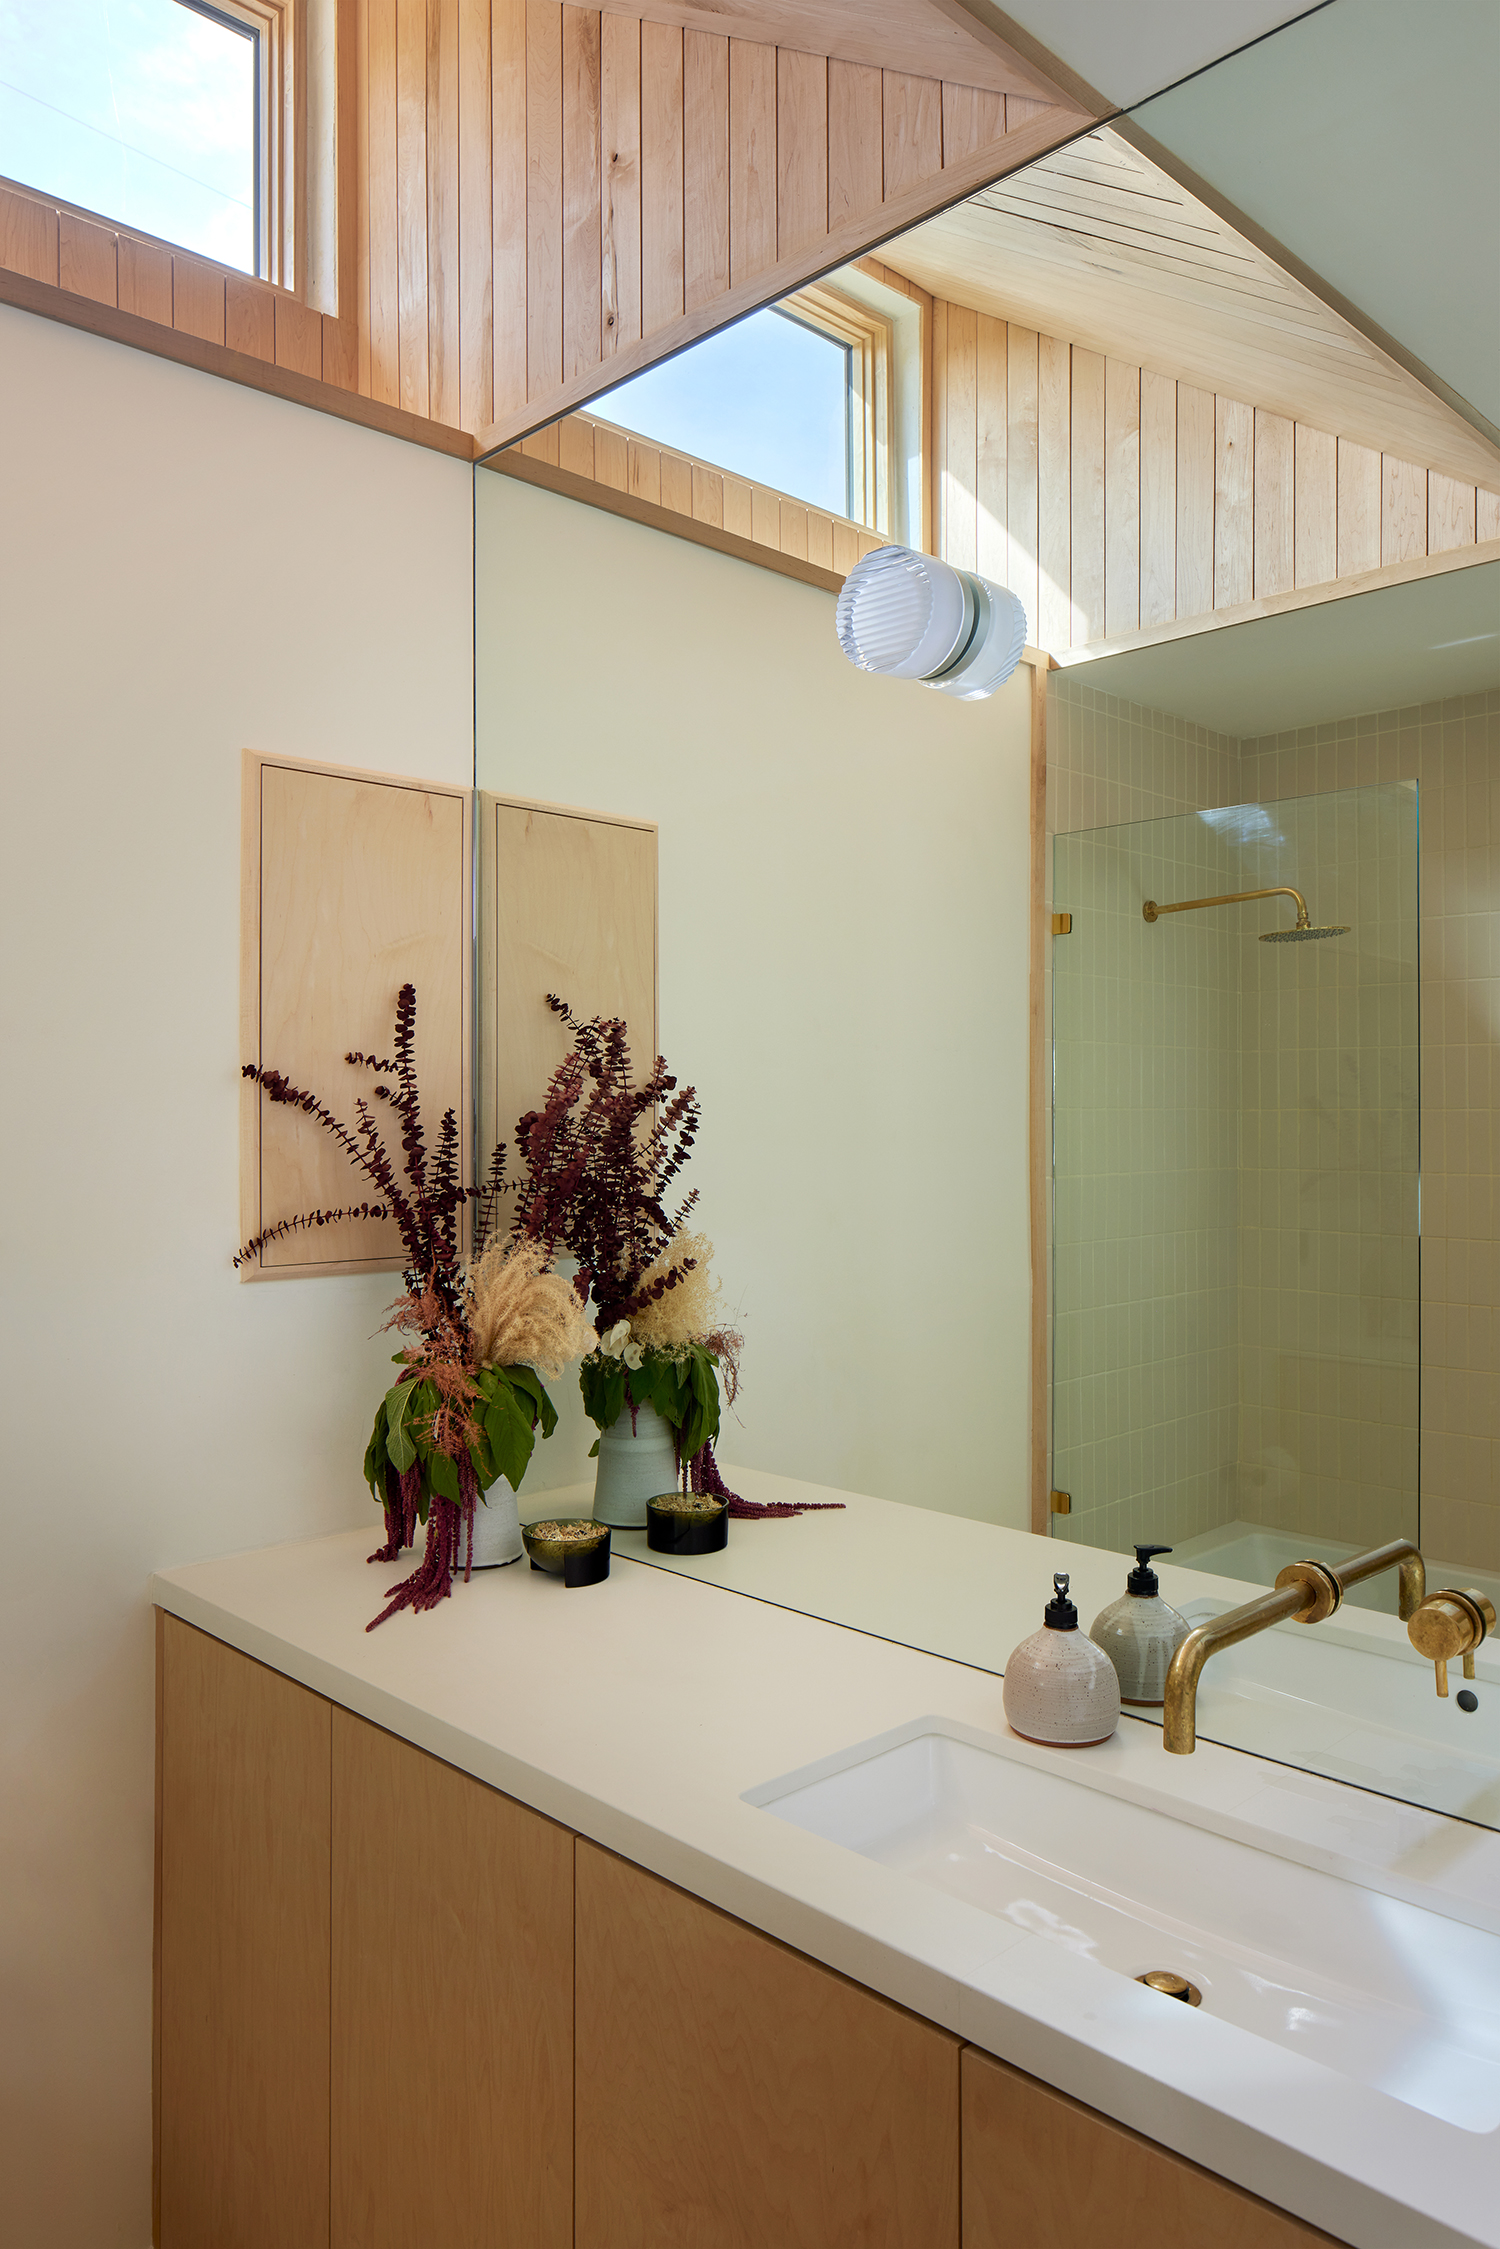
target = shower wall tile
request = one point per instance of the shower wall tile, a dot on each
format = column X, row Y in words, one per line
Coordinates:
column 1452, row 751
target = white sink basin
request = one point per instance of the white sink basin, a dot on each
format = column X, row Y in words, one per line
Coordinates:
column 1386, row 1991
column 1359, row 1707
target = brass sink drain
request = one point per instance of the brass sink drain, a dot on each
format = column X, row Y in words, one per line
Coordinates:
column 1175, row 1987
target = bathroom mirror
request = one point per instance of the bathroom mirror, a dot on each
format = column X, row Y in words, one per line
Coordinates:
column 1252, row 1321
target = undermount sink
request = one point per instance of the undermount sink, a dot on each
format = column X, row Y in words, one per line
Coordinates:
column 1358, row 1707
column 1382, row 1989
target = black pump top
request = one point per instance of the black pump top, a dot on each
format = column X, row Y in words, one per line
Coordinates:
column 1060, row 1612
column 1142, row 1578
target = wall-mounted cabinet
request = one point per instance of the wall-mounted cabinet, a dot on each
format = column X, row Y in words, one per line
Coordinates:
column 352, row 884
column 567, row 904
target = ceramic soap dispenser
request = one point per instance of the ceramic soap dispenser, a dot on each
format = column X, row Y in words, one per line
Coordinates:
column 1058, row 1686
column 1140, row 1633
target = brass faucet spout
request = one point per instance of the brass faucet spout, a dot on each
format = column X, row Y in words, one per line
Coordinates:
column 1306, row 1593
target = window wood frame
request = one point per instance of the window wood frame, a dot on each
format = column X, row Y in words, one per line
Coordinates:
column 866, row 335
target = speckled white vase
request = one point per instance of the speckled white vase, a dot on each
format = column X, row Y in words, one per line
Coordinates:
column 1058, row 1686
column 635, row 1464
column 497, row 1529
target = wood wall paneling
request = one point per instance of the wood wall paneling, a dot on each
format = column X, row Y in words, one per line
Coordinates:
column 705, row 112
column 990, row 466
column 582, row 235
column 1450, row 514
column 476, row 304
column 1054, row 529
column 567, row 905
column 661, row 176
column 452, row 2030
column 1021, row 468
column 198, row 299
column 972, row 118
column 960, row 466
column 1043, row 2169
column 801, row 152
column 509, row 177
column 1122, row 497
column 250, row 318
column 1195, row 501
column 1234, row 502
column 620, row 186
column 1158, row 499
column 243, row 2001
column 1403, row 511
column 913, row 131
column 1086, row 495
column 1357, row 542
column 413, row 343
column 86, row 259
column 544, row 196
column 145, row 273
column 752, row 172
column 352, row 885
column 1486, row 517
column 730, row 2091
column 445, row 386
column 856, row 155
column 1274, row 504
column 28, row 237
column 1316, row 535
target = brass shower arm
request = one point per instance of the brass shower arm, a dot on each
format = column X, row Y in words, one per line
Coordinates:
column 1152, row 912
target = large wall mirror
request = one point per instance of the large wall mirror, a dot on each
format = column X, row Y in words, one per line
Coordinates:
column 1178, row 1229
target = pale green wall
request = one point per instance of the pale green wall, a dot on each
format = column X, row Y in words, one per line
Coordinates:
column 843, row 976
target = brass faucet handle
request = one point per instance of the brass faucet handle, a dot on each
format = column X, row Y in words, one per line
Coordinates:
column 1448, row 1624
column 1324, row 1592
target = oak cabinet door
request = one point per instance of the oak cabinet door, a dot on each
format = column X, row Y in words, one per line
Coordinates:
column 452, row 2007
column 1041, row 2171
column 732, row 2094
column 242, row 2003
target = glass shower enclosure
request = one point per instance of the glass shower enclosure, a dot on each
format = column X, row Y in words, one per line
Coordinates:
column 1236, row 1185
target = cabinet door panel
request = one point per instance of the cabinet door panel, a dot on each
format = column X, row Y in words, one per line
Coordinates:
column 731, row 2094
column 1044, row 2171
column 243, row 2001
column 452, row 2007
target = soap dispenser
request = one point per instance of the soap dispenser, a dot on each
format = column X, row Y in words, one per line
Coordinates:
column 1140, row 1633
column 1058, row 1686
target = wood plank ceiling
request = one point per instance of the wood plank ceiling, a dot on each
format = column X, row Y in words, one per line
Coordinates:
column 1095, row 245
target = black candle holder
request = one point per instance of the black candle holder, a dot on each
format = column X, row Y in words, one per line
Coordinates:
column 675, row 1527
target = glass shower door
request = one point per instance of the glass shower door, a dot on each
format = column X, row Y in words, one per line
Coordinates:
column 1235, row 1182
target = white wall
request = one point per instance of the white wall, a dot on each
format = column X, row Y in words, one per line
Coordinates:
column 185, row 567
column 843, row 946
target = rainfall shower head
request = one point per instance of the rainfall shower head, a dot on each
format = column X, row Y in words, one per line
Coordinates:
column 1151, row 911
column 1296, row 936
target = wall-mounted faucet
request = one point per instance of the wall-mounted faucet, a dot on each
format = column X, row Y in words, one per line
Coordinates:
column 1306, row 1593
column 1449, row 1624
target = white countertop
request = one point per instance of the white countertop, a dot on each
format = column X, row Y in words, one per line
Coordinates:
column 638, row 1713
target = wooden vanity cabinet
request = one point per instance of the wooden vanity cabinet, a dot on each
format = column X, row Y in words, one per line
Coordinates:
column 394, row 2007
column 1041, row 2171
column 732, row 2093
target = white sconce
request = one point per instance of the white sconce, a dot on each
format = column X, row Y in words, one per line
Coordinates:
column 910, row 617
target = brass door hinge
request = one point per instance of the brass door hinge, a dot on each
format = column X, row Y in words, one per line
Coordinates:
column 1062, row 925
column 1061, row 1502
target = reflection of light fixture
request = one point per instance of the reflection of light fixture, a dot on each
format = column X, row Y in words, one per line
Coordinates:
column 910, row 617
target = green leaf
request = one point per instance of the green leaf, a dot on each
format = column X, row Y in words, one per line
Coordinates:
column 443, row 1475
column 594, row 1450
column 397, row 1405
column 602, row 1382
column 375, row 1457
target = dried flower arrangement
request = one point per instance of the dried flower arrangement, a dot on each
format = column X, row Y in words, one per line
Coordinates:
column 600, row 1156
column 465, row 1408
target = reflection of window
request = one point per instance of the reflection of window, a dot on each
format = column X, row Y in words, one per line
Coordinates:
column 767, row 399
column 162, row 115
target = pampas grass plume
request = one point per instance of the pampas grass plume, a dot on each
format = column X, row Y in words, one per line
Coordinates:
column 523, row 1315
column 688, row 1312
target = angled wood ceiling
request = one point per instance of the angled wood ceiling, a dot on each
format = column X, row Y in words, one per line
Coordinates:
column 924, row 38
column 1096, row 245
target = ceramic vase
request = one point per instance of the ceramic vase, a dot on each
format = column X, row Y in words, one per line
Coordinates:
column 636, row 1463
column 497, row 1529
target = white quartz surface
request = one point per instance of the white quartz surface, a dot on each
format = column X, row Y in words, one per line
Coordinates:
column 639, row 1712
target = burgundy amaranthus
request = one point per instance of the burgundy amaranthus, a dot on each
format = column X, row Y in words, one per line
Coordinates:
column 596, row 1181
column 425, row 1198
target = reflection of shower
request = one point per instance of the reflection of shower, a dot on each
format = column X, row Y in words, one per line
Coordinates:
column 1302, row 928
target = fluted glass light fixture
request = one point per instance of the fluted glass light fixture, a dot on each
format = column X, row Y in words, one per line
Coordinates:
column 911, row 617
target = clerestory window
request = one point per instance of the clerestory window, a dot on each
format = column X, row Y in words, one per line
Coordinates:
column 165, row 116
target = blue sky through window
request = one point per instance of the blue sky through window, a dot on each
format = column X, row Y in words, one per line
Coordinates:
column 767, row 398
column 142, row 110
